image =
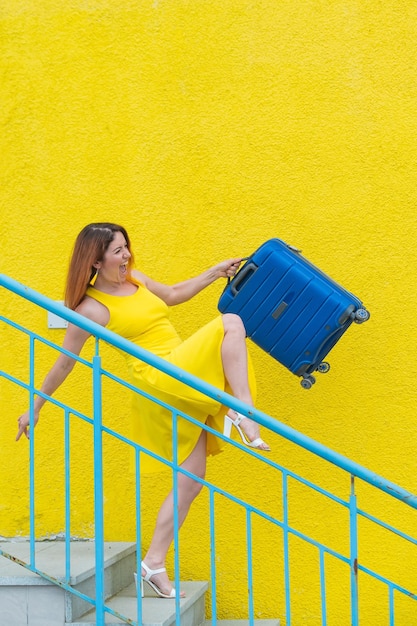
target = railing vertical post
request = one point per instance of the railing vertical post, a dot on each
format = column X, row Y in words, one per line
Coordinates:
column 32, row 451
column 213, row 573
column 286, row 549
column 353, row 511
column 176, row 518
column 391, row 605
column 67, row 497
column 98, row 488
column 250, row 565
column 138, row 538
column 323, row 589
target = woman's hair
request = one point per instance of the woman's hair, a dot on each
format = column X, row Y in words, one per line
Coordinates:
column 89, row 247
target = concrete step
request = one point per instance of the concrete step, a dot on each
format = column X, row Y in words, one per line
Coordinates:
column 27, row 599
column 155, row 611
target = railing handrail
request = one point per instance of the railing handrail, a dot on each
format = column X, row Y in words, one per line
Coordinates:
column 263, row 419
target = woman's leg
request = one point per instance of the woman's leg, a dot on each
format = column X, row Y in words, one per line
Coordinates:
column 188, row 490
column 235, row 365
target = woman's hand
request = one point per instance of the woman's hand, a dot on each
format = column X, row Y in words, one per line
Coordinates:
column 227, row 269
column 23, row 423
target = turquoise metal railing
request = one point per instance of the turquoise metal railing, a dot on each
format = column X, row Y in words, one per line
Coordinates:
column 283, row 523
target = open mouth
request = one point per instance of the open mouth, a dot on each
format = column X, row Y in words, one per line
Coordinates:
column 123, row 268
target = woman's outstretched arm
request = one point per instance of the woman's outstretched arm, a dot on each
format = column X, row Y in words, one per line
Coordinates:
column 187, row 289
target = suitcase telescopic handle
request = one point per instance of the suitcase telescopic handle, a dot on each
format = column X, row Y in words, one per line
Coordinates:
column 242, row 277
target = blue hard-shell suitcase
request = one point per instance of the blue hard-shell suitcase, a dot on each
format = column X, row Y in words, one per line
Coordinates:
column 290, row 308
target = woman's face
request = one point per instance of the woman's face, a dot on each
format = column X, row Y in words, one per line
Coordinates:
column 115, row 260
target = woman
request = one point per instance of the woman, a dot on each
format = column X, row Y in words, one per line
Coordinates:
column 136, row 307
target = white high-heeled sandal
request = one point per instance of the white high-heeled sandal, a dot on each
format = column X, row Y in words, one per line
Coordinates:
column 147, row 579
column 229, row 422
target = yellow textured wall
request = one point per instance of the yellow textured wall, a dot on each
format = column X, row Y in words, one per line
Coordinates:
column 206, row 127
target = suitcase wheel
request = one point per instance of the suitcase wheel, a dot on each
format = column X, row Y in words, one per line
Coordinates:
column 361, row 315
column 323, row 367
column 307, row 382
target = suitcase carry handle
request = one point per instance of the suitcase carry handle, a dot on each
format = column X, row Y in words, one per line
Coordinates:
column 242, row 276
column 244, row 258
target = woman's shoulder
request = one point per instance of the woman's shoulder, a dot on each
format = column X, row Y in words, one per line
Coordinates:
column 94, row 310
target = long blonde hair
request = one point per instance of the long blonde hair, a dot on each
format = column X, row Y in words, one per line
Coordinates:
column 89, row 247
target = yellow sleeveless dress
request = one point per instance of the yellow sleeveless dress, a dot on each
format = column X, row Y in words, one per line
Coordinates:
column 143, row 318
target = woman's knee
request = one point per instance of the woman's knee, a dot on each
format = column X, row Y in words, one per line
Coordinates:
column 233, row 323
column 188, row 488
